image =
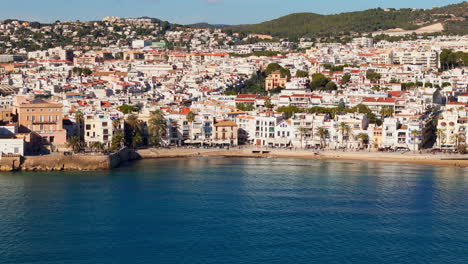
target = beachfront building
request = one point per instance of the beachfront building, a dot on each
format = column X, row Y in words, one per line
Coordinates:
column 225, row 133
column 9, row 142
column 100, row 127
column 43, row 119
column 451, row 128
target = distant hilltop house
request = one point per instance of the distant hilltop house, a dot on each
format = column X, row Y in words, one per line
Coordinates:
column 260, row 36
column 275, row 80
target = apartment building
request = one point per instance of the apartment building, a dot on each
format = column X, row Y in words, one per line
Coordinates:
column 225, row 133
column 43, row 118
column 424, row 58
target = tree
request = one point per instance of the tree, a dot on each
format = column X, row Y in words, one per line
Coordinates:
column 75, row 143
column 346, row 131
column 81, row 71
column 133, row 131
column 79, row 119
column 127, row 109
column 364, row 138
column 97, row 146
column 456, row 139
column 302, row 74
column 331, row 86
column 272, row 67
column 323, row 134
column 116, row 123
column 191, row 117
column 346, row 79
column 302, row 132
column 415, row 137
column 157, row 127
column 319, row 81
column 117, row 141
column 289, row 110
column 245, row 106
column 440, row 135
column 450, row 59
column 268, row 103
column 373, row 76
column 386, row 111
column 137, row 139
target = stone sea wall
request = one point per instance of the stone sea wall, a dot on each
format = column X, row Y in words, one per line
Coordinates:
column 75, row 162
column 60, row 162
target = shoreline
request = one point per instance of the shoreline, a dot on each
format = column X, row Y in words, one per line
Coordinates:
column 99, row 162
column 392, row 157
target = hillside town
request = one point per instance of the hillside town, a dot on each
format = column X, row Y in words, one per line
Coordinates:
column 100, row 86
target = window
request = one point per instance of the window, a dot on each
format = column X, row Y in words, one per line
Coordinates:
column 104, row 124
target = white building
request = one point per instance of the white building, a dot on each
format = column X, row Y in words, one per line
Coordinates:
column 99, row 128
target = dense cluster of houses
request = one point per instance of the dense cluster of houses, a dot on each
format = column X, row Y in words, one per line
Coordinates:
column 96, row 94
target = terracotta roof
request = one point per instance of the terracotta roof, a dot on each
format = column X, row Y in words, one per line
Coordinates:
column 226, row 123
column 379, row 100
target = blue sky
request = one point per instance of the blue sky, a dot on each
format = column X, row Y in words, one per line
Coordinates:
column 191, row 11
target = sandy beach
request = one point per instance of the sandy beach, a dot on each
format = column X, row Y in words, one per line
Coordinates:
column 427, row 159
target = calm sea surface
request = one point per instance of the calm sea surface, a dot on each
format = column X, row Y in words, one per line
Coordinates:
column 237, row 211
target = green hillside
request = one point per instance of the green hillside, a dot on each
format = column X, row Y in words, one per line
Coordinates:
column 454, row 18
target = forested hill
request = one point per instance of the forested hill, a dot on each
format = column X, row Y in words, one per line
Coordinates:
column 453, row 17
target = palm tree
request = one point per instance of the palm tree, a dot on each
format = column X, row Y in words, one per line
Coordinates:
column 303, row 131
column 157, row 127
column 79, row 119
column 323, row 134
column 97, row 146
column 440, row 135
column 132, row 130
column 345, row 130
column 74, row 143
column 116, row 123
column 415, row 134
column 456, row 138
column 137, row 139
column 363, row 137
column 117, row 140
column 132, row 121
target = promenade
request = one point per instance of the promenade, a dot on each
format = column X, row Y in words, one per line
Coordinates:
column 408, row 157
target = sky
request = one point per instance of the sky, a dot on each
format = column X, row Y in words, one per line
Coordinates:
column 230, row 12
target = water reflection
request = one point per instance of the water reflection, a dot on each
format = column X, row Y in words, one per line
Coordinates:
column 216, row 210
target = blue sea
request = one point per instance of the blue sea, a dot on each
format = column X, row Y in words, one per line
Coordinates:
column 216, row 210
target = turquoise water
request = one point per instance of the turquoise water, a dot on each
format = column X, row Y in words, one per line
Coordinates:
column 237, row 211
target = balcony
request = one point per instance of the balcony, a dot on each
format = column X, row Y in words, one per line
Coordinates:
column 44, row 122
